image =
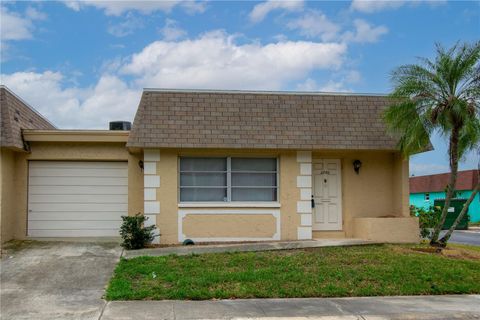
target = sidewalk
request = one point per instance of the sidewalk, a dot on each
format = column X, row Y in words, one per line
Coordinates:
column 242, row 247
column 366, row 308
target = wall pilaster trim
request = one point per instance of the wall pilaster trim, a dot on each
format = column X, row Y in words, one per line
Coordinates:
column 304, row 186
column 151, row 183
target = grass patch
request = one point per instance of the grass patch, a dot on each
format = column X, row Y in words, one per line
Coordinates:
column 321, row 272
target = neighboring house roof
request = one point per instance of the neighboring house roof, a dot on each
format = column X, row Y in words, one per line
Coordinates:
column 271, row 120
column 16, row 115
column 466, row 180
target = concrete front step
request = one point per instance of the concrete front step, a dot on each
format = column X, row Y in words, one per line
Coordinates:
column 244, row 247
column 319, row 235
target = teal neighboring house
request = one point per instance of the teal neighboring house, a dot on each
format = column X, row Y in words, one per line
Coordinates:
column 425, row 189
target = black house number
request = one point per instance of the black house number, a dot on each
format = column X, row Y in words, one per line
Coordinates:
column 324, row 172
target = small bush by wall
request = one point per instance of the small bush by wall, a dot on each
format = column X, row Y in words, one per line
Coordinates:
column 134, row 234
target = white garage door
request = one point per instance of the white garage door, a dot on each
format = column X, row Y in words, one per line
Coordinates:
column 76, row 199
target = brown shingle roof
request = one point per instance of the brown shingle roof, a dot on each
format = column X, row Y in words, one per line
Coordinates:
column 240, row 119
column 466, row 180
column 16, row 115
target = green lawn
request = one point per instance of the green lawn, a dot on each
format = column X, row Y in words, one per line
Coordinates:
column 321, row 272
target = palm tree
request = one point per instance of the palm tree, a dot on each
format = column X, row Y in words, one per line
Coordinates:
column 440, row 95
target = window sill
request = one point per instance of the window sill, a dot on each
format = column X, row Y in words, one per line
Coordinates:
column 229, row 205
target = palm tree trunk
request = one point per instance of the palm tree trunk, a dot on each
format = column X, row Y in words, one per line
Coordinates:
column 447, row 236
column 453, row 152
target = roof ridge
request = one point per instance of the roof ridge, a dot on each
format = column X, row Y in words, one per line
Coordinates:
column 437, row 174
column 279, row 92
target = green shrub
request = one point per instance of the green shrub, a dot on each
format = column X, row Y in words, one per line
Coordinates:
column 133, row 232
column 428, row 219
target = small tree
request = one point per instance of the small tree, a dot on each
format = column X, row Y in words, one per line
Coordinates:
column 134, row 234
column 441, row 95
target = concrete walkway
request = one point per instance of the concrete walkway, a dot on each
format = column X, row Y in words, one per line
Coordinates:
column 378, row 308
column 243, row 247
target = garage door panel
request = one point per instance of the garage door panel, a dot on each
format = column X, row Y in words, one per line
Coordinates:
column 75, row 215
column 76, row 199
column 75, row 225
column 83, row 198
column 74, row 233
column 80, row 190
column 77, row 181
column 80, row 172
column 52, row 207
column 77, row 164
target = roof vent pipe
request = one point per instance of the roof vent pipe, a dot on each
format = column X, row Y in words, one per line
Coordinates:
column 120, row 125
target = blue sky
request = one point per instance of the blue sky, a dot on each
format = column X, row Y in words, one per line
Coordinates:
column 84, row 63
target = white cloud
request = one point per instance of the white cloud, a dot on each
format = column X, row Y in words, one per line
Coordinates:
column 315, row 24
column 364, row 32
column 260, row 11
column 214, row 60
column 311, row 85
column 353, row 76
column 15, row 26
column 334, row 86
column 74, row 4
column 86, row 108
column 126, row 27
column 329, row 86
column 193, row 7
column 117, row 8
column 171, row 30
column 370, row 6
column 339, row 82
column 308, row 85
column 34, row 14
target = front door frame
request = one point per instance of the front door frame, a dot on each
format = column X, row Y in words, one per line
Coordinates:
column 339, row 192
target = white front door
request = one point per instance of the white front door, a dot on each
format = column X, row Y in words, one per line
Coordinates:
column 327, row 194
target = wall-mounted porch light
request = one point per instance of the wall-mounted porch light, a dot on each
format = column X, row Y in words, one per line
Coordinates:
column 357, row 164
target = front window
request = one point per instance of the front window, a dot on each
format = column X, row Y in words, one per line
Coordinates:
column 427, row 196
column 228, row 179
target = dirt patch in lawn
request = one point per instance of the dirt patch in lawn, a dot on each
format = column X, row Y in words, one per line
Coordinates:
column 449, row 252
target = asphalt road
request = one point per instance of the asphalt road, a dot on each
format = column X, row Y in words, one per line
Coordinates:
column 471, row 237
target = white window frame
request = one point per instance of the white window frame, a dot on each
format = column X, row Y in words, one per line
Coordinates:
column 229, row 180
column 426, row 197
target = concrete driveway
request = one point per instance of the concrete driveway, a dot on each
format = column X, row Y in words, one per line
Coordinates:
column 471, row 236
column 55, row 280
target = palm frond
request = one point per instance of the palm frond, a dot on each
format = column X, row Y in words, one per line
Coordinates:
column 441, row 94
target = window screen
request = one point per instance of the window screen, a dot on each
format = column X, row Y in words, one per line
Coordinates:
column 203, row 179
column 228, row 179
column 254, row 179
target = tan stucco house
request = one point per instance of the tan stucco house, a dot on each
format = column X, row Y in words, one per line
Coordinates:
column 210, row 166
